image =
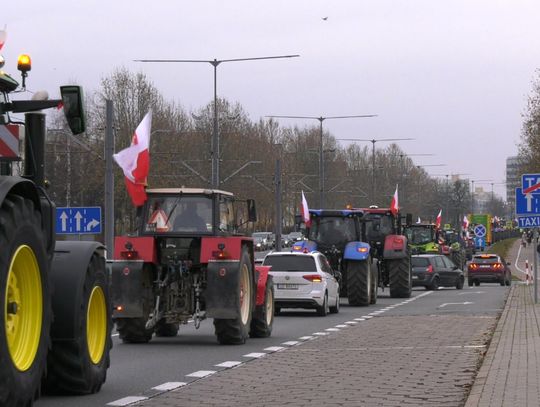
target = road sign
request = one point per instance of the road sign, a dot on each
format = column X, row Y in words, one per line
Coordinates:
column 532, row 221
column 9, row 141
column 480, row 231
column 530, row 183
column 528, row 204
column 479, row 242
column 78, row 220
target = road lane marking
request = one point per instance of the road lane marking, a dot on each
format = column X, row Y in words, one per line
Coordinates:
column 360, row 319
column 169, row 386
column 229, row 364
column 127, row 400
column 321, row 333
column 274, row 348
column 290, row 343
column 455, row 303
column 341, row 326
column 306, row 338
column 351, row 322
column 472, row 292
column 201, row 373
column 332, row 329
column 255, row 355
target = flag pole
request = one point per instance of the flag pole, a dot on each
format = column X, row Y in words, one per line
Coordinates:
column 109, row 179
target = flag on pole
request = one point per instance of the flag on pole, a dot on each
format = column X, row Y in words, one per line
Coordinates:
column 438, row 220
column 465, row 222
column 419, row 220
column 3, row 36
column 394, row 205
column 305, row 211
column 135, row 161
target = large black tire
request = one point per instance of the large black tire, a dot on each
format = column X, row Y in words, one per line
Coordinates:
column 235, row 331
column 23, row 261
column 263, row 317
column 435, row 284
column 374, row 285
column 133, row 330
column 460, row 283
column 80, row 366
column 166, row 330
column 399, row 271
column 359, row 282
column 457, row 259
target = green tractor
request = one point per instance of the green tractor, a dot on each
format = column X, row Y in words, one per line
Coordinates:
column 454, row 247
column 423, row 238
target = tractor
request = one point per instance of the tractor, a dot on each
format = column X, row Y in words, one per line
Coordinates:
column 423, row 238
column 340, row 236
column 55, row 329
column 454, row 247
column 390, row 248
column 187, row 262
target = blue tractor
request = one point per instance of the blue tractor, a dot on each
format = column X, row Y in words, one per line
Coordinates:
column 340, row 236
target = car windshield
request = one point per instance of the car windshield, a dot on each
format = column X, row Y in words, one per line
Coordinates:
column 485, row 259
column 421, row 235
column 180, row 213
column 290, row 262
column 378, row 226
column 332, row 230
column 419, row 262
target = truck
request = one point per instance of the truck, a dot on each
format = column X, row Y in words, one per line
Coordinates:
column 188, row 262
column 340, row 236
column 390, row 249
column 55, row 329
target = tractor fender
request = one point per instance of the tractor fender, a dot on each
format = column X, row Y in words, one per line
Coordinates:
column 221, row 294
column 68, row 272
column 261, row 277
column 304, row 246
column 395, row 247
column 127, row 289
column 144, row 246
column 232, row 246
column 356, row 251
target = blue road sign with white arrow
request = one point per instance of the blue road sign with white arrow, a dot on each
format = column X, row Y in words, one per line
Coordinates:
column 78, row 220
column 527, row 204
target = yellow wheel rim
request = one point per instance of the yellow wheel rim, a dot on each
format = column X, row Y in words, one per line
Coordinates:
column 96, row 325
column 245, row 294
column 23, row 308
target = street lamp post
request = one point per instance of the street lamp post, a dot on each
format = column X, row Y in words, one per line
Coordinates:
column 321, row 151
column 214, row 153
column 373, row 141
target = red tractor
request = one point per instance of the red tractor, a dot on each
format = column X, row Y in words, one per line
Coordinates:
column 187, row 262
column 390, row 247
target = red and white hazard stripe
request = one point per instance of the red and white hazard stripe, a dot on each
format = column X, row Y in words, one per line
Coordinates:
column 9, row 140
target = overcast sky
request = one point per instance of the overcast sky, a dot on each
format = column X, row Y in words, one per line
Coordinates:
column 453, row 75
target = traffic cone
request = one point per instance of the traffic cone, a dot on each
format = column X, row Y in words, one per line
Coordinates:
column 527, row 275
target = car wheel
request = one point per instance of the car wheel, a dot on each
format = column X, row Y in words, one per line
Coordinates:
column 470, row 283
column 335, row 308
column 323, row 310
column 476, row 283
column 509, row 281
column 435, row 283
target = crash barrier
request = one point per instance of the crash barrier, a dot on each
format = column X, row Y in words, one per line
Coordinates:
column 505, row 234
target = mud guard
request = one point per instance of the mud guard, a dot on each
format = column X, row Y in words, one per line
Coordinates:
column 356, row 251
column 221, row 294
column 395, row 247
column 261, row 278
column 126, row 288
column 68, row 271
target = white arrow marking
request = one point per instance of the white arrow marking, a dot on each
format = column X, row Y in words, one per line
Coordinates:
column 529, row 199
column 63, row 217
column 91, row 225
column 455, row 303
column 78, row 218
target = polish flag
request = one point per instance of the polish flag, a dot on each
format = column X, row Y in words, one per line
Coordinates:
column 438, row 220
column 465, row 222
column 394, row 205
column 3, row 36
column 305, row 211
column 135, row 161
column 419, row 220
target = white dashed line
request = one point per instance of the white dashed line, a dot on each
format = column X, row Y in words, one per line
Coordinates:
column 229, row 364
column 201, row 373
column 254, row 355
column 127, row 400
column 306, row 338
column 290, row 343
column 320, row 333
column 274, row 348
column 332, row 329
column 342, row 326
column 367, row 316
column 351, row 322
column 169, row 386
column 359, row 319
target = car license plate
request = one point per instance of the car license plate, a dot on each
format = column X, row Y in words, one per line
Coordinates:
column 484, row 266
column 415, row 277
column 287, row 286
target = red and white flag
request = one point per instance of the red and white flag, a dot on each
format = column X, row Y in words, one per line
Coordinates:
column 465, row 222
column 438, row 220
column 3, row 36
column 394, row 205
column 305, row 211
column 135, row 161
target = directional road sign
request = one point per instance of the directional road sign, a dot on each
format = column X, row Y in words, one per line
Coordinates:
column 480, row 231
column 532, row 221
column 527, row 204
column 78, row 220
column 479, row 242
column 530, row 184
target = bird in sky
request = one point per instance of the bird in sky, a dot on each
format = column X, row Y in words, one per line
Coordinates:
column 325, row 18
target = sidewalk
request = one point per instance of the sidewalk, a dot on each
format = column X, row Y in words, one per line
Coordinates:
column 510, row 373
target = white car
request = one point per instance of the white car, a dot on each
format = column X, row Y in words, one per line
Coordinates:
column 303, row 280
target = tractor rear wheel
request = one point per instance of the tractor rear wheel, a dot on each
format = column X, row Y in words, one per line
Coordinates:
column 24, row 300
column 166, row 330
column 399, row 271
column 235, row 331
column 457, row 259
column 359, row 282
column 374, row 285
column 133, row 330
column 263, row 317
column 79, row 366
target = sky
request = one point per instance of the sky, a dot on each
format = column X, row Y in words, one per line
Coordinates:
column 454, row 75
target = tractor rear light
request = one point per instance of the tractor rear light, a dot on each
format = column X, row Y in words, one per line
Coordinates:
column 129, row 254
column 297, row 248
column 221, row 255
column 314, row 278
column 429, row 269
column 362, row 249
column 119, row 308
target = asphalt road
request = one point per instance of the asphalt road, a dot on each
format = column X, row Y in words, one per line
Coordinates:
column 137, row 368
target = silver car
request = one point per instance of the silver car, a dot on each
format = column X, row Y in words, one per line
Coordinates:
column 303, row 280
